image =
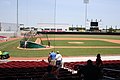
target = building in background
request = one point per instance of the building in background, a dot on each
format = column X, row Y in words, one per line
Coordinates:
column 8, row 26
column 51, row 27
column 8, row 29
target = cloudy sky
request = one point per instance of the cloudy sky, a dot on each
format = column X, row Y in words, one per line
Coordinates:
column 71, row 12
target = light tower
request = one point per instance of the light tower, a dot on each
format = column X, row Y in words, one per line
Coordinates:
column 55, row 3
column 17, row 19
column 86, row 2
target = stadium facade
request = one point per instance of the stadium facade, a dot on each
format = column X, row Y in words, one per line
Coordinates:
column 8, row 29
column 51, row 27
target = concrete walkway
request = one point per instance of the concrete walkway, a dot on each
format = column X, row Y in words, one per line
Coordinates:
column 66, row 59
column 93, row 58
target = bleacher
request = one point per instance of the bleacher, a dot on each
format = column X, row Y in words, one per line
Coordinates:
column 30, row 70
column 34, row 70
column 110, row 68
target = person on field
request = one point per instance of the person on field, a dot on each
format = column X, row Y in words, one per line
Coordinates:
column 48, row 43
column 25, row 44
column 58, row 59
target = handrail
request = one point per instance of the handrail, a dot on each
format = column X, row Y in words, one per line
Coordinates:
column 111, row 69
column 108, row 77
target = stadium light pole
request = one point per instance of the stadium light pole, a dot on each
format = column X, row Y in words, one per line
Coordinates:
column 54, row 20
column 86, row 2
column 17, row 20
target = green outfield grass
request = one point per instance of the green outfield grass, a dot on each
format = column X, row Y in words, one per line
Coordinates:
column 65, row 52
column 86, row 36
column 84, row 43
column 11, row 46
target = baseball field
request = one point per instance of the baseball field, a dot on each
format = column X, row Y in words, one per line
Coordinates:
column 68, row 45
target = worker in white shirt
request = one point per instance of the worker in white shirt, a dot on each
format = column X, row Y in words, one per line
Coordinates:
column 25, row 44
column 58, row 59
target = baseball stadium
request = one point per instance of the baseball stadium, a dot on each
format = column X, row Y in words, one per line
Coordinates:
column 53, row 40
column 76, row 49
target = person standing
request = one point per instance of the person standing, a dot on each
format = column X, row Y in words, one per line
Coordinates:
column 25, row 44
column 49, row 58
column 52, row 57
column 48, row 43
column 98, row 61
column 51, row 73
column 90, row 71
column 58, row 59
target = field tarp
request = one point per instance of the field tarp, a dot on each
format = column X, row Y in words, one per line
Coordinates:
column 30, row 44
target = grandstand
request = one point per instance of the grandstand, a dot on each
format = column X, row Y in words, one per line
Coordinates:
column 30, row 68
column 34, row 69
column 31, row 64
column 110, row 68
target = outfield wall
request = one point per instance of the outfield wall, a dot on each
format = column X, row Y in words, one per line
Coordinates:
column 86, row 33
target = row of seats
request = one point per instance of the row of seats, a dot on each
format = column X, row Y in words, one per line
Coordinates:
column 34, row 70
column 74, row 65
column 110, row 68
column 30, row 70
column 20, row 70
column 23, row 64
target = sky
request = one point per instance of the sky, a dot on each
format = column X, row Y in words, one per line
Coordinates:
column 72, row 12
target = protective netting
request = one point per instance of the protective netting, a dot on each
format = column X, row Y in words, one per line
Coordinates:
column 35, row 41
